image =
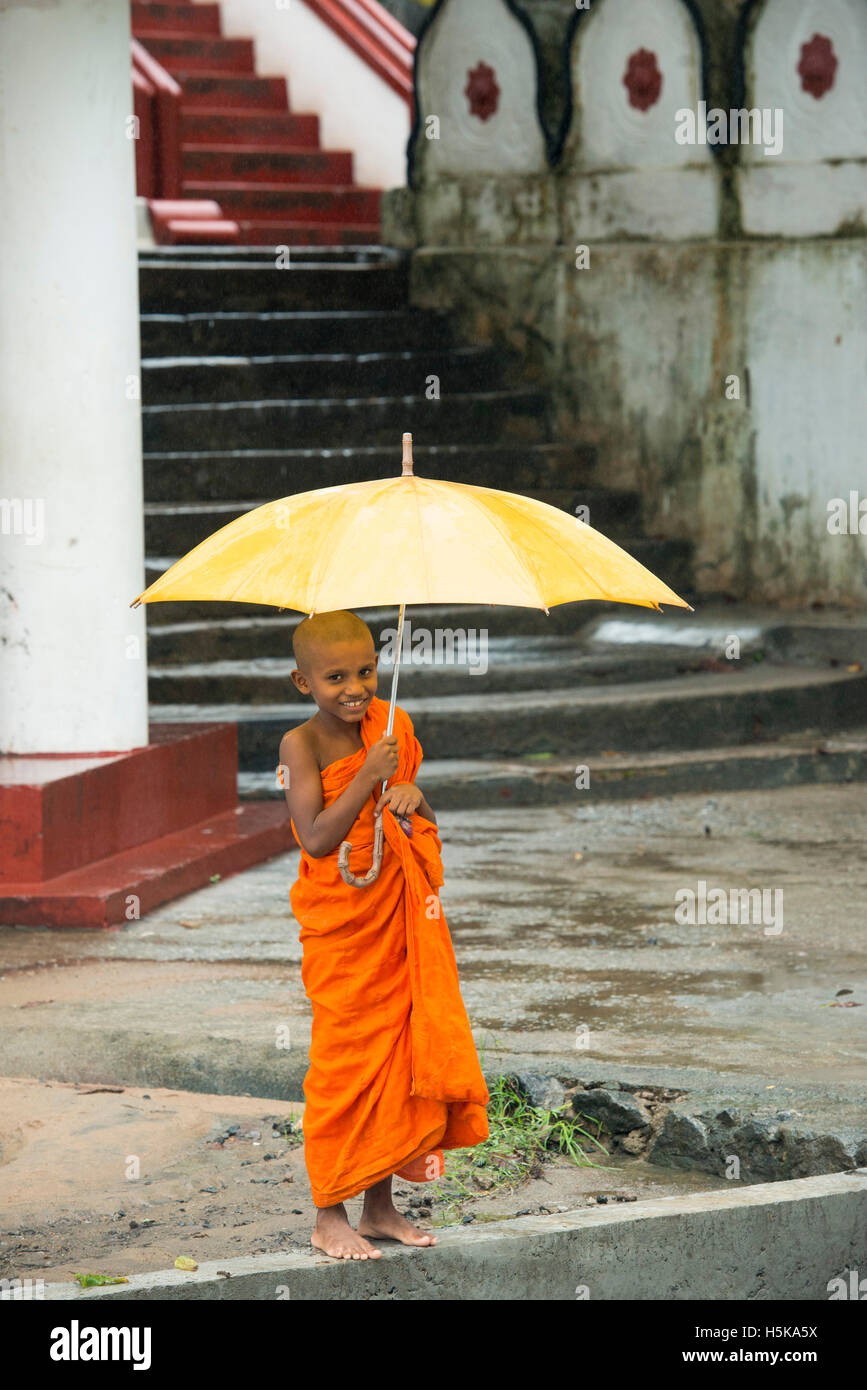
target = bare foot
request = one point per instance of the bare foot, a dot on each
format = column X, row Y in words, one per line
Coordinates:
column 387, row 1221
column 334, row 1236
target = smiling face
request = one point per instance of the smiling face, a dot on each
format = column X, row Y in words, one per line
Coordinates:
column 341, row 677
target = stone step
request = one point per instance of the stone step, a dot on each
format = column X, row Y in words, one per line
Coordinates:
column 456, row 784
column 176, row 18
column 266, row 164
column 202, row 126
column 374, row 253
column 606, row 630
column 762, row 703
column 279, row 234
column 222, row 475
column 205, row 53
column 268, row 633
column 481, row 664
column 186, row 380
column 217, row 91
column 288, row 202
column 245, row 284
column 515, row 414
column 213, row 334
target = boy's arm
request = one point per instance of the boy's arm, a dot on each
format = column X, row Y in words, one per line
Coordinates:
column 425, row 810
column 320, row 831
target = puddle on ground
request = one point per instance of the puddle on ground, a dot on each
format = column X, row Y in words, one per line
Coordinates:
column 628, row 983
column 560, row 913
column 601, row 996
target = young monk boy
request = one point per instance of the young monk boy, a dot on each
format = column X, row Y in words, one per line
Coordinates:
column 394, row 1077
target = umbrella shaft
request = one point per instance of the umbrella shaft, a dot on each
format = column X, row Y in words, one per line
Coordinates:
column 394, row 677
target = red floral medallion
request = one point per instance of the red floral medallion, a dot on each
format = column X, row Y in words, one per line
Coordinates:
column 642, row 79
column 818, row 66
column 482, row 91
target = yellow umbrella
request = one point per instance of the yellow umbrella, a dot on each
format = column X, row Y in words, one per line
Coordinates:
column 407, row 540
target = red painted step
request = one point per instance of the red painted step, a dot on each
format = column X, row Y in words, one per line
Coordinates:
column 99, row 894
column 243, row 164
column 275, row 202
column 275, row 129
column 308, row 233
column 199, row 53
column 222, row 91
column 175, row 18
column 58, row 813
column 198, row 232
column 243, row 148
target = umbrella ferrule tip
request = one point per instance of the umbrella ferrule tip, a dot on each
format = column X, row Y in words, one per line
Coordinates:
column 407, row 456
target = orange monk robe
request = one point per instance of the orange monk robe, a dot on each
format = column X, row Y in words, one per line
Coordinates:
column 394, row 1074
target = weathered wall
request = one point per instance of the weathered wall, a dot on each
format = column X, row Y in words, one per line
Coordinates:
column 701, row 265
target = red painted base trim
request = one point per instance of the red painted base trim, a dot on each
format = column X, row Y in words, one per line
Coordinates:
column 198, row 221
column 198, row 233
column 58, row 814
column 126, row 886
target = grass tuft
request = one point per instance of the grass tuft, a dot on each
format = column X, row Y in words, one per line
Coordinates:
column 522, row 1138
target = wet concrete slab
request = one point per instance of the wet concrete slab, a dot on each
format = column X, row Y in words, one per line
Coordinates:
column 572, row 958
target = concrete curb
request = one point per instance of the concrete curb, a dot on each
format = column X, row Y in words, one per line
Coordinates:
column 784, row 1240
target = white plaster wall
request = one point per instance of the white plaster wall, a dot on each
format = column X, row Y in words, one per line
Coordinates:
column 807, row 334
column 639, row 350
column 358, row 111
column 803, row 200
column 74, row 671
column 510, row 141
column 650, row 336
column 663, row 204
column 833, row 126
column 638, row 333
column 624, row 173
column 799, row 192
column 607, row 131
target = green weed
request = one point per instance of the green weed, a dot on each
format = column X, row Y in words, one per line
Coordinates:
column 521, row 1137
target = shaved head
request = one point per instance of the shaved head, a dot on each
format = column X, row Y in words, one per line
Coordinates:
column 315, row 635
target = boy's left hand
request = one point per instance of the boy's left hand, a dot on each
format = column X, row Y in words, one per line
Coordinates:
column 403, row 799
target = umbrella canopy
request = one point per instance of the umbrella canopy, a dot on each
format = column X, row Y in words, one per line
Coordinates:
column 408, row 540
column 405, row 540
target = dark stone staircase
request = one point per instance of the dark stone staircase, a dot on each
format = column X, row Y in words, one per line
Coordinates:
column 259, row 381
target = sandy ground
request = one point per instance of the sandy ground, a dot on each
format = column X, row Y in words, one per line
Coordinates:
column 71, row 1202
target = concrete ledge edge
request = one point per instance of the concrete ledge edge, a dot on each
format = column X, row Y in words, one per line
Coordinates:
column 520, row 1233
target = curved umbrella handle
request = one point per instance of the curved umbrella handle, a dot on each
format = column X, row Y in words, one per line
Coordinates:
column 373, row 872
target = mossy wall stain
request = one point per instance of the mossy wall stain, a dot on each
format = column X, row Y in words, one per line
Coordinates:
column 638, row 348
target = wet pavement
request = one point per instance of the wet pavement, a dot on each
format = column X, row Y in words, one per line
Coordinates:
column 571, row 956
column 690, row 1041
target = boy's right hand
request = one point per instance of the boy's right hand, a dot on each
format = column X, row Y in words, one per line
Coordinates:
column 382, row 758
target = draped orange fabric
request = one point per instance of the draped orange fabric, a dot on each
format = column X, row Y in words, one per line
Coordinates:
column 394, row 1074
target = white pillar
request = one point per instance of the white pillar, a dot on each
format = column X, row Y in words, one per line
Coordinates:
column 72, row 653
